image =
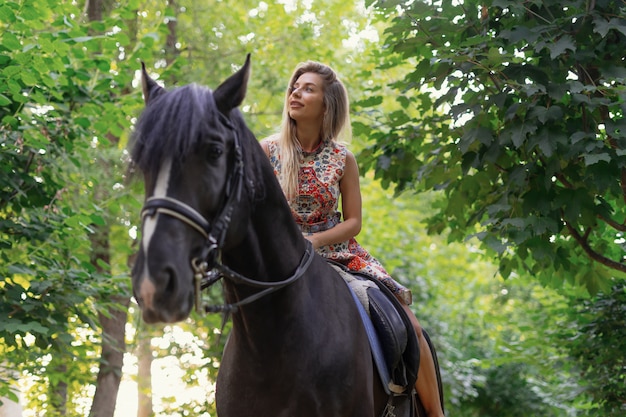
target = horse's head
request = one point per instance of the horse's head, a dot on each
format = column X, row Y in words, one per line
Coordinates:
column 187, row 144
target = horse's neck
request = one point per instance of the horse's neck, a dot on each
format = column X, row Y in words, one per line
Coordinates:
column 272, row 251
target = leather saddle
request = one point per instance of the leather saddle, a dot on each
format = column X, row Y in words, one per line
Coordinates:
column 397, row 336
column 392, row 338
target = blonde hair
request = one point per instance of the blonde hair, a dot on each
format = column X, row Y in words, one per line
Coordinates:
column 335, row 126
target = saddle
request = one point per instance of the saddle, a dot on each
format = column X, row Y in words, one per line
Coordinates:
column 393, row 341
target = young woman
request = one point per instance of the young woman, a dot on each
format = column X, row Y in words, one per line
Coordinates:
column 315, row 171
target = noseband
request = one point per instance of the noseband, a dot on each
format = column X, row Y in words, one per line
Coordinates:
column 207, row 267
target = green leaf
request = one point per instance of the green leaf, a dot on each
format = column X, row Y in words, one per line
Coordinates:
column 28, row 78
column 6, row 14
column 371, row 101
column 517, row 34
column 10, row 41
column 546, row 142
column 520, row 132
column 83, row 122
column 591, row 159
column 552, row 113
column 78, row 221
column 11, row 70
column 4, row 101
column 603, row 26
column 16, row 326
column 98, row 220
column 578, row 136
column 613, row 72
column 481, row 134
column 11, row 121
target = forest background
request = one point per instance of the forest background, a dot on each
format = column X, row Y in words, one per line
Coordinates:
column 491, row 140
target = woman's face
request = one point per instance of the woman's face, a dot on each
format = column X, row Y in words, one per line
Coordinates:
column 306, row 101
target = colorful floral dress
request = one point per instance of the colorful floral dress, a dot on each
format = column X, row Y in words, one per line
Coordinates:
column 315, row 209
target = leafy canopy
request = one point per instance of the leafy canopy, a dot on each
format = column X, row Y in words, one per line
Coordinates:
column 515, row 109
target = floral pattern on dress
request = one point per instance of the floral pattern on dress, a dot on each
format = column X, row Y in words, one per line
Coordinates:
column 315, row 209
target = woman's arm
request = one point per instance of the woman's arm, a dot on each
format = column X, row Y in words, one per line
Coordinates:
column 350, row 190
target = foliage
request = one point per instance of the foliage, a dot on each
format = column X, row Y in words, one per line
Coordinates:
column 515, row 109
column 490, row 334
column 506, row 392
column 56, row 119
column 594, row 341
column 214, row 38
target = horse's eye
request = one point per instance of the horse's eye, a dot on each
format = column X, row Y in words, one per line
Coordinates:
column 214, row 151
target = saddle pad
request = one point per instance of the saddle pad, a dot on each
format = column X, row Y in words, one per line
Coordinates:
column 358, row 286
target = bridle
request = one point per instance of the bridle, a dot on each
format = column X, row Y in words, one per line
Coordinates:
column 207, row 267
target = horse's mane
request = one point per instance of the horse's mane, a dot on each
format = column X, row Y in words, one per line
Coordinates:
column 176, row 121
column 171, row 126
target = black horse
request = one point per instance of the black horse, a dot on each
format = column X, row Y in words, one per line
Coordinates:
column 297, row 345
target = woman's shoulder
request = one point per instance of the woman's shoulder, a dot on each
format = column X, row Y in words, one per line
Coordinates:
column 339, row 148
column 273, row 139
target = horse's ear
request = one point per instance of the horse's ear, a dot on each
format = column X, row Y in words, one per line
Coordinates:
column 150, row 88
column 232, row 91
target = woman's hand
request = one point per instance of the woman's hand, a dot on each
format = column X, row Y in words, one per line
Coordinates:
column 311, row 238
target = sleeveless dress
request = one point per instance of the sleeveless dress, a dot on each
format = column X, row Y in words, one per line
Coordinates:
column 315, row 209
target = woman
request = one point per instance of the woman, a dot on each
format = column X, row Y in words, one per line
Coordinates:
column 315, row 171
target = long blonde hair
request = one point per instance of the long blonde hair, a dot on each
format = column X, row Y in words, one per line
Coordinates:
column 335, row 126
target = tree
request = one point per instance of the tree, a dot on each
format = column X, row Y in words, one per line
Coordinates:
column 111, row 320
column 58, row 109
column 515, row 111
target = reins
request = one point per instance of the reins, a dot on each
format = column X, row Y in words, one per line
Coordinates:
column 222, row 271
column 208, row 268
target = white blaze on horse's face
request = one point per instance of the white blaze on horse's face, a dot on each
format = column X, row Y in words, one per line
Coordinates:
column 146, row 287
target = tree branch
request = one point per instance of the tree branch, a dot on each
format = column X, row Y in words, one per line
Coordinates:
column 584, row 244
column 615, row 225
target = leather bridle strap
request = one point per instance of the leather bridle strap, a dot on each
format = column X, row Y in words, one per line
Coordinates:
column 208, row 263
column 177, row 209
column 215, row 233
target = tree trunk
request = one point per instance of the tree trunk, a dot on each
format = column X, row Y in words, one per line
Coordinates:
column 93, row 9
column 144, row 377
column 171, row 49
column 57, row 390
column 113, row 320
column 111, row 361
column 113, row 325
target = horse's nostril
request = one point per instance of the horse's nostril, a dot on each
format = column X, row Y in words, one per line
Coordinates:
column 170, row 279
